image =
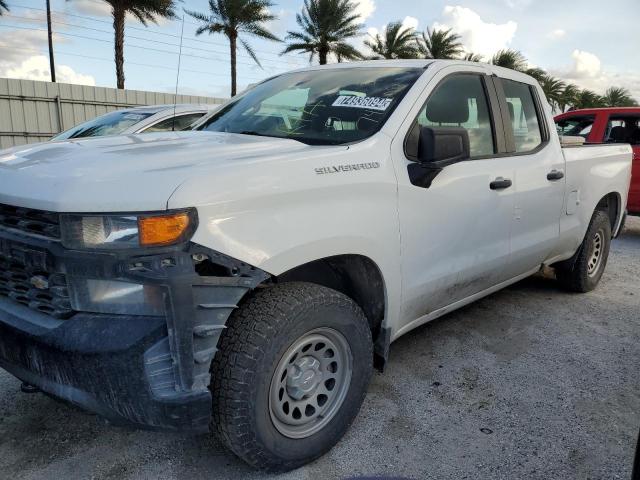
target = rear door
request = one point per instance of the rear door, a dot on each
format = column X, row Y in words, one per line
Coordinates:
column 455, row 232
column 539, row 174
column 625, row 128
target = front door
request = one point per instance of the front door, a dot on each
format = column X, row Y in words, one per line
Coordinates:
column 455, row 233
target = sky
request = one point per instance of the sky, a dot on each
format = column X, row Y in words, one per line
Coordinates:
column 584, row 43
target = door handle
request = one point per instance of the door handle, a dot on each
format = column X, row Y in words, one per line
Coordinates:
column 500, row 184
column 555, row 175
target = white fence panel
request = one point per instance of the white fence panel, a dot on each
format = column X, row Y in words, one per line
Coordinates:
column 33, row 111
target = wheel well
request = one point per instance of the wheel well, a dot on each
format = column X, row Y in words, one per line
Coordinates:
column 356, row 276
column 610, row 204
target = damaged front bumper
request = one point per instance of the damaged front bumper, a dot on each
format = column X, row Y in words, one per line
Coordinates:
column 148, row 370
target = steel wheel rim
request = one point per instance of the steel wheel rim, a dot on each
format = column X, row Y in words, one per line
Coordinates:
column 310, row 383
column 595, row 258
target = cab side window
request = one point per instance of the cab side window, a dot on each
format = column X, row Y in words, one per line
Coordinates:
column 461, row 101
column 523, row 115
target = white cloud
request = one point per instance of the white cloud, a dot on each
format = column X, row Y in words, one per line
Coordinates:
column 518, row 3
column 477, row 35
column 103, row 9
column 557, row 34
column 410, row 22
column 587, row 71
column 280, row 24
column 365, row 9
column 90, row 7
column 37, row 68
column 20, row 58
column 585, row 65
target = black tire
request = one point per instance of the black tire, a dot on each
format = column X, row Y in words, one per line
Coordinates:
column 580, row 273
column 258, row 336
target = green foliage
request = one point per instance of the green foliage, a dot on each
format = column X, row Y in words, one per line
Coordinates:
column 512, row 59
column 325, row 27
column 145, row 10
column 618, row 97
column 440, row 43
column 473, row 57
column 587, row 99
column 396, row 41
column 553, row 88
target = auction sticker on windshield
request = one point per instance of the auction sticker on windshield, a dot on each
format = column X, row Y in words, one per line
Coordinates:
column 370, row 103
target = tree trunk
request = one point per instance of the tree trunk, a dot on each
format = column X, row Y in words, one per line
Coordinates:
column 118, row 27
column 322, row 55
column 233, row 44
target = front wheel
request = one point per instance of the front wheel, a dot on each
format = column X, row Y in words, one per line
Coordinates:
column 583, row 272
column 290, row 375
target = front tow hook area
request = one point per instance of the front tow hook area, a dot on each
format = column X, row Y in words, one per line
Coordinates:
column 28, row 388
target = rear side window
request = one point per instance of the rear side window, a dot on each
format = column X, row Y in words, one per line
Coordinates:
column 523, row 115
column 623, row 129
column 578, row 126
column 461, row 101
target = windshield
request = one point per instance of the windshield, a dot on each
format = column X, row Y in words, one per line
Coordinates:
column 319, row 107
column 112, row 123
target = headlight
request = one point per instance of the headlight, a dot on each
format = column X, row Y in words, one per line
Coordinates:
column 109, row 232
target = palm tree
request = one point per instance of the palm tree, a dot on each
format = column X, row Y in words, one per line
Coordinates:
column 3, row 5
column 568, row 97
column 143, row 10
column 512, row 59
column 235, row 17
column 473, row 57
column 618, row 97
column 587, row 99
column 325, row 26
column 440, row 43
column 553, row 89
column 397, row 41
column 537, row 73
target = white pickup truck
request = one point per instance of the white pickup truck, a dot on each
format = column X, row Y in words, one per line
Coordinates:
column 250, row 275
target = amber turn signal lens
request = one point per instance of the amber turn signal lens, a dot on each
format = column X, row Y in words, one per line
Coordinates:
column 162, row 230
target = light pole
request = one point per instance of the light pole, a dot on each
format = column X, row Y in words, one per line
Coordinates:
column 52, row 65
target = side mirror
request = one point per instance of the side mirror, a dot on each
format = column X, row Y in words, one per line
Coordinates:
column 432, row 149
column 438, row 146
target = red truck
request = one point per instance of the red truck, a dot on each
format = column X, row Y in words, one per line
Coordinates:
column 608, row 125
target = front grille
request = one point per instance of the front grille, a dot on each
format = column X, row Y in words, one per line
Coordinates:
column 41, row 291
column 38, row 222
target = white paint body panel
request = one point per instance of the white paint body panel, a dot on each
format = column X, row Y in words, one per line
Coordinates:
column 260, row 200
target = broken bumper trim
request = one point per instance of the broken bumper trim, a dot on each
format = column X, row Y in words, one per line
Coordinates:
column 95, row 362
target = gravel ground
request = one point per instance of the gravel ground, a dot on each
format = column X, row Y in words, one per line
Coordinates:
column 528, row 383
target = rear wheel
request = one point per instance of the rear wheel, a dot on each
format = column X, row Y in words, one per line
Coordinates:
column 290, row 375
column 583, row 272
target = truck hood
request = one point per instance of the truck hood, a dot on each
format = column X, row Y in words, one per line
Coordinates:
column 124, row 173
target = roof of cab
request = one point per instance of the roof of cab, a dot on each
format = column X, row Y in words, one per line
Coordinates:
column 424, row 63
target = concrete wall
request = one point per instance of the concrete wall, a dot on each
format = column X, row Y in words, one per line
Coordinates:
column 33, row 111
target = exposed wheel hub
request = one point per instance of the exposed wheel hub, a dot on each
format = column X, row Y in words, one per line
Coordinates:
column 303, row 377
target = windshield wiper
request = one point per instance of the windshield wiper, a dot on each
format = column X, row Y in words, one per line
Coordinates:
column 258, row 134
